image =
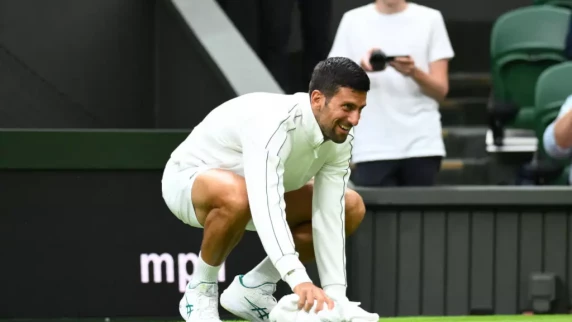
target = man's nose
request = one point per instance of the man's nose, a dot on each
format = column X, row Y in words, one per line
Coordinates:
column 354, row 118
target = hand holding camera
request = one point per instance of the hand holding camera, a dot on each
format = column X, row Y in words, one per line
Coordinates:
column 376, row 60
column 404, row 64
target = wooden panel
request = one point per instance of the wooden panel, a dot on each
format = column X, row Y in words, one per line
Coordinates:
column 457, row 263
column 360, row 260
column 434, row 263
column 506, row 263
column 409, row 276
column 482, row 261
column 385, row 263
column 530, row 253
column 555, row 231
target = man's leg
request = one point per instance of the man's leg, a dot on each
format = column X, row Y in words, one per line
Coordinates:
column 250, row 296
column 299, row 218
column 218, row 202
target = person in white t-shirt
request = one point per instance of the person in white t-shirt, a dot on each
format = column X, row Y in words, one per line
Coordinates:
column 249, row 166
column 399, row 141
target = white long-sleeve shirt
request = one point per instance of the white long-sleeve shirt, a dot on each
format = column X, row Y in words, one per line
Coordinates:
column 274, row 141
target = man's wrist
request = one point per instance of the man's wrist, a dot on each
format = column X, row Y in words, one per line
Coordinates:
column 296, row 277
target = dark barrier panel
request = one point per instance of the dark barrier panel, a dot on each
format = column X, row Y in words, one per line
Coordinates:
column 97, row 243
column 456, row 251
column 84, row 232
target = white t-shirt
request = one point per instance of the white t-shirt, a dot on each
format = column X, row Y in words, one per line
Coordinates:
column 399, row 121
column 275, row 142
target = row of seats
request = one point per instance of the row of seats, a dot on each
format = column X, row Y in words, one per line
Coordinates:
column 531, row 77
column 524, row 43
column 553, row 87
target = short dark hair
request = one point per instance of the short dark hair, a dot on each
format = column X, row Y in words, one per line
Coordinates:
column 335, row 72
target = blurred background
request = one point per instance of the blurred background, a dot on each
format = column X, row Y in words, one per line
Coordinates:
column 94, row 96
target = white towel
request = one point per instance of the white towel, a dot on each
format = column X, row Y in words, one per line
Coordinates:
column 287, row 311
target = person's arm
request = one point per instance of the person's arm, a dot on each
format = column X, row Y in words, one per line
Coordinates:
column 557, row 138
column 265, row 147
column 434, row 82
column 328, row 222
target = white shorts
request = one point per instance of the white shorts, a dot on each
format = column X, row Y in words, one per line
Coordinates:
column 176, row 185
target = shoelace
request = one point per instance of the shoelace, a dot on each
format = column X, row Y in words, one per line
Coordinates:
column 267, row 296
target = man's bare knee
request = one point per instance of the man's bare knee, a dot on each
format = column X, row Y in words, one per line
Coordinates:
column 235, row 205
column 224, row 192
column 355, row 211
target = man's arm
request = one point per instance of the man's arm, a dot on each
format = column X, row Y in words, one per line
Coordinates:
column 557, row 138
column 328, row 222
column 265, row 146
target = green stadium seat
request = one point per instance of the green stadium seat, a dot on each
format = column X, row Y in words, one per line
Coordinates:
column 524, row 42
column 557, row 3
column 553, row 87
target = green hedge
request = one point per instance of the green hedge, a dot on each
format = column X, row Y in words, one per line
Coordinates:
column 87, row 149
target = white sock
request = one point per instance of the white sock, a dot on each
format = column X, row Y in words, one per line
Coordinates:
column 204, row 273
column 265, row 272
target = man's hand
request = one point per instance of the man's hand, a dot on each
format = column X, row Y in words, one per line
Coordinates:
column 404, row 65
column 364, row 63
column 308, row 293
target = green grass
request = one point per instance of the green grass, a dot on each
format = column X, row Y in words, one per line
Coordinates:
column 494, row 318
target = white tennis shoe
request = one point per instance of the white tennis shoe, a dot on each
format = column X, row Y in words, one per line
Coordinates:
column 249, row 303
column 200, row 304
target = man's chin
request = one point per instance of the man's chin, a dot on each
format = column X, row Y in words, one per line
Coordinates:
column 339, row 138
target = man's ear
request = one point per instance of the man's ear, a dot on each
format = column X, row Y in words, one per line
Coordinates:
column 317, row 98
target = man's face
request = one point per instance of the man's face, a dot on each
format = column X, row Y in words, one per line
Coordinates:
column 340, row 114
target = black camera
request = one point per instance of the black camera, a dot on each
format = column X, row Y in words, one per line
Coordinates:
column 378, row 60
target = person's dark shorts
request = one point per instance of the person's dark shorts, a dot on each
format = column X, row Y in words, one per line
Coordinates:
column 421, row 171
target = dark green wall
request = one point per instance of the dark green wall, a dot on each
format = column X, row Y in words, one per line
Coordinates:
column 87, row 149
column 103, row 64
